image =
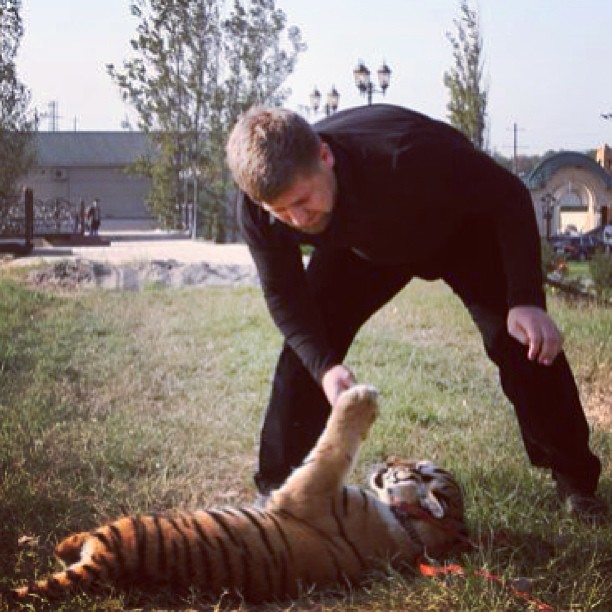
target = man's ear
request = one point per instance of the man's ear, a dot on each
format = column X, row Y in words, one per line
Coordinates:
column 326, row 155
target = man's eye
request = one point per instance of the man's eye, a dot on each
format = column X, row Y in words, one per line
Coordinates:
column 272, row 210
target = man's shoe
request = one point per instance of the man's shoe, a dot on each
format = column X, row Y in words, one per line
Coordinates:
column 585, row 508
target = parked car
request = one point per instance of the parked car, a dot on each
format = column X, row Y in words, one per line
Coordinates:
column 603, row 237
column 606, row 236
column 578, row 248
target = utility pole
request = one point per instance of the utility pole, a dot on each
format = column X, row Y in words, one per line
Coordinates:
column 515, row 147
column 53, row 116
column 514, row 150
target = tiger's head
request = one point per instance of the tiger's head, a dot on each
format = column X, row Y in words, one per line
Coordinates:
column 422, row 484
column 425, row 494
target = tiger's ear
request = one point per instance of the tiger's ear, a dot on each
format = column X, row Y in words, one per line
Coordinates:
column 376, row 480
column 395, row 461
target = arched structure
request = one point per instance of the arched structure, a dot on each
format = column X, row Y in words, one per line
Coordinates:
column 572, row 189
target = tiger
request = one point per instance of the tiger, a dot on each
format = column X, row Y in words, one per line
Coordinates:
column 314, row 531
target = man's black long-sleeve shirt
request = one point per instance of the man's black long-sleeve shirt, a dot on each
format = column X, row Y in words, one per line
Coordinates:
column 407, row 184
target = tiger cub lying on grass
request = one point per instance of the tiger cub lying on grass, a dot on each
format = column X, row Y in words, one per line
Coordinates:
column 313, row 531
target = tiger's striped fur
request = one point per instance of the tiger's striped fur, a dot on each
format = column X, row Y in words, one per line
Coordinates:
column 314, row 530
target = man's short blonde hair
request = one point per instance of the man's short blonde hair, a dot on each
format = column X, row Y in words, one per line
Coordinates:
column 268, row 148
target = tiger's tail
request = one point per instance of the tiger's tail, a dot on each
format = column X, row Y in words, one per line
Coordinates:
column 84, row 567
column 76, row 577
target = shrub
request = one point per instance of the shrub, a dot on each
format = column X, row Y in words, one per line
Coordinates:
column 600, row 268
column 551, row 262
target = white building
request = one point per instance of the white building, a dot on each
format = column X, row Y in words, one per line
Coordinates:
column 572, row 190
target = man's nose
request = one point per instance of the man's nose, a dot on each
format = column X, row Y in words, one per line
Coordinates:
column 297, row 215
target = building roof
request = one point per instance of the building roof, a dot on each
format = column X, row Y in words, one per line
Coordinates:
column 84, row 149
column 541, row 174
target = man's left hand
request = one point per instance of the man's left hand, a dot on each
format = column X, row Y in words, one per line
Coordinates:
column 533, row 327
column 336, row 380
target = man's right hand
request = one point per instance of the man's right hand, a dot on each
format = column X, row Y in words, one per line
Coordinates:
column 532, row 326
column 336, row 380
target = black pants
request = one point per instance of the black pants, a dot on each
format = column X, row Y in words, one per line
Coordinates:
column 349, row 289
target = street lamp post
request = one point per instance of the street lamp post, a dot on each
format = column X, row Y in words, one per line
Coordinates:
column 331, row 105
column 364, row 83
column 548, row 202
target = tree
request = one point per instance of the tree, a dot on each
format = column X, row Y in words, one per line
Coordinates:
column 522, row 165
column 196, row 67
column 16, row 151
column 468, row 98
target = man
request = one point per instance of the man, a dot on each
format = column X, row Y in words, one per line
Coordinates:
column 94, row 217
column 385, row 194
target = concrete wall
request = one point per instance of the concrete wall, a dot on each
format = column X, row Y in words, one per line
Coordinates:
column 121, row 196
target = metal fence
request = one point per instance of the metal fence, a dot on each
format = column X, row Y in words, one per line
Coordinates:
column 56, row 216
column 12, row 218
column 17, row 223
column 24, row 218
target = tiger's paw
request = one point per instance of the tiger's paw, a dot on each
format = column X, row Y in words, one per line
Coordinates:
column 358, row 394
column 358, row 405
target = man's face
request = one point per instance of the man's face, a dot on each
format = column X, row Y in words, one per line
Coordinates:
column 307, row 204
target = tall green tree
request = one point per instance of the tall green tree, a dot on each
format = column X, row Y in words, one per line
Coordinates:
column 16, row 151
column 468, row 96
column 196, row 65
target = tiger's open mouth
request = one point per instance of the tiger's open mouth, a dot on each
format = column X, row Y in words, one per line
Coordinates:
column 403, row 491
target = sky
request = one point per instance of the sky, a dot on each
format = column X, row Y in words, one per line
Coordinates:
column 547, row 62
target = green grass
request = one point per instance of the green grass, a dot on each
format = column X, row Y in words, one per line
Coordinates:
column 578, row 269
column 117, row 402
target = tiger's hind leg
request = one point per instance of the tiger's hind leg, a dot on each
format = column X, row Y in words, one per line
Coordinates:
column 326, row 467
